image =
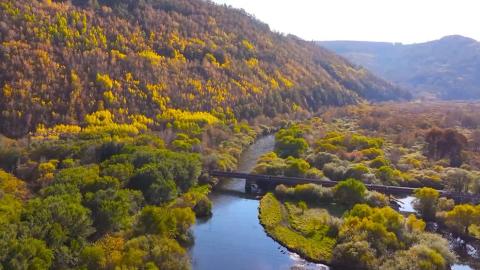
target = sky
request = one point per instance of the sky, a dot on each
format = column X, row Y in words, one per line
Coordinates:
column 405, row 21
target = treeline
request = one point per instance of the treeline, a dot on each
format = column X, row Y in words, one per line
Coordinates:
column 60, row 60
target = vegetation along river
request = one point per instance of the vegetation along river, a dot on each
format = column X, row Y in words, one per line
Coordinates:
column 233, row 238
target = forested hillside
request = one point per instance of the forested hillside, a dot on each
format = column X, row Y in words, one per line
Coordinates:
column 60, row 60
column 447, row 68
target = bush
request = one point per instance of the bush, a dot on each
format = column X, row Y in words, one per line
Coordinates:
column 379, row 161
column 318, row 160
column 355, row 253
column 377, row 199
column 290, row 142
column 357, row 171
column 296, row 167
column 350, row 192
column 203, row 207
column 372, row 153
column 425, row 202
column 310, row 193
column 334, row 171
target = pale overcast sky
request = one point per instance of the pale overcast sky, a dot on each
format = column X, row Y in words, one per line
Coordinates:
column 406, row 21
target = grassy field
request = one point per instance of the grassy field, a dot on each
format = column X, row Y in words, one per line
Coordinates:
column 307, row 232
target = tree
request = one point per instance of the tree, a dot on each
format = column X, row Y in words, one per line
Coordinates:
column 29, row 253
column 358, row 254
column 113, row 209
column 155, row 252
column 93, row 257
column 172, row 223
column 9, row 184
column 458, row 180
column 64, row 224
column 461, row 217
column 203, row 207
column 289, row 142
column 296, row 167
column 303, row 206
column 475, row 142
column 425, row 202
column 156, row 186
column 446, row 143
column 350, row 192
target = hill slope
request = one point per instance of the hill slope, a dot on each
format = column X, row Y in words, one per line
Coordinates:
column 447, row 68
column 60, row 61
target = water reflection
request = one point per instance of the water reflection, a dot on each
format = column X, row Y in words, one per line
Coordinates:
column 406, row 204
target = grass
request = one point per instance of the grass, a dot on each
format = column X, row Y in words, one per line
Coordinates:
column 270, row 211
column 305, row 232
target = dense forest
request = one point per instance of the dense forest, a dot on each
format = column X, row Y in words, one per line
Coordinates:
column 61, row 60
column 111, row 195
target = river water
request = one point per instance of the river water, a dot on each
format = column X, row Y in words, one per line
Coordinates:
column 233, row 238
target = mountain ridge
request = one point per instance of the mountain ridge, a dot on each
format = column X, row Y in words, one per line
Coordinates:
column 445, row 68
column 61, row 60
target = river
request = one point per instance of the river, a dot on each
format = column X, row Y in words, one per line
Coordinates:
column 233, row 238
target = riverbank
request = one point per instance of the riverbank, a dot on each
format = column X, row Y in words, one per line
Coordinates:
column 368, row 236
column 233, row 238
column 273, row 215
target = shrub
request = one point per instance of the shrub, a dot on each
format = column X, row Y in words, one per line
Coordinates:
column 319, row 159
column 334, row 171
column 376, row 199
column 372, row 153
column 357, row 171
column 203, row 208
column 358, row 253
column 350, row 192
column 379, row 161
column 290, row 142
column 296, row 167
column 426, row 202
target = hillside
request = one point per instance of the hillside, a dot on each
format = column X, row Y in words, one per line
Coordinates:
column 447, row 68
column 60, row 61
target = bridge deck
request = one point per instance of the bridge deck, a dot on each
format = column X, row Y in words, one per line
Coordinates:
column 328, row 183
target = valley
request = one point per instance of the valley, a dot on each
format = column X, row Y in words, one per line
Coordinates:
column 115, row 114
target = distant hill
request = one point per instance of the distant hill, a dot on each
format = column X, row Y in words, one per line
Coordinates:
column 60, row 60
column 448, row 68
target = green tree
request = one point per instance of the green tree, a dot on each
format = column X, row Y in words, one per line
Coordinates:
column 155, row 252
column 63, row 222
column 296, row 167
column 93, row 257
column 303, row 206
column 165, row 222
column 29, row 253
column 155, row 182
column 289, row 142
column 426, row 200
column 113, row 209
